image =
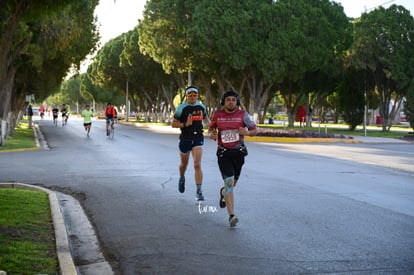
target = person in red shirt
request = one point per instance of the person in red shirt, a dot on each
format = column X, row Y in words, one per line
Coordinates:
column 301, row 117
column 110, row 114
column 42, row 111
column 229, row 126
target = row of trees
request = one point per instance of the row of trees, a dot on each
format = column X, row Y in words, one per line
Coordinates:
column 303, row 51
column 40, row 40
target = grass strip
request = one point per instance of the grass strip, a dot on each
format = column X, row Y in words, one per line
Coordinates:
column 27, row 240
column 23, row 138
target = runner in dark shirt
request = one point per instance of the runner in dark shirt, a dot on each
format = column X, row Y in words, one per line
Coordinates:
column 189, row 117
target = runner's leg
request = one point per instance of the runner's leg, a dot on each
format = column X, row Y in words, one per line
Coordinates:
column 197, row 153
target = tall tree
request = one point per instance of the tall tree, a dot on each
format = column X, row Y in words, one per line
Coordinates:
column 352, row 100
column 311, row 37
column 318, row 85
column 384, row 47
column 230, row 38
column 106, row 69
column 163, row 33
column 248, row 46
column 152, row 88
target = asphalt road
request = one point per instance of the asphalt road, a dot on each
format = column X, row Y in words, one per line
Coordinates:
column 303, row 208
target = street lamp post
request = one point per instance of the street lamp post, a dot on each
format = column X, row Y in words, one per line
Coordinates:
column 127, row 102
column 365, row 112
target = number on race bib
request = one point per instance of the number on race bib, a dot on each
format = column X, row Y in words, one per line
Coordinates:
column 228, row 136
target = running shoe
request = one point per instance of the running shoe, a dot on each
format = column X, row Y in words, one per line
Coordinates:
column 233, row 220
column 181, row 184
column 199, row 196
column 222, row 201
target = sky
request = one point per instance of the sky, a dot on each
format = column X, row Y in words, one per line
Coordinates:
column 119, row 16
column 354, row 8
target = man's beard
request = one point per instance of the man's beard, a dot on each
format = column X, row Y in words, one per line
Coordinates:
column 230, row 109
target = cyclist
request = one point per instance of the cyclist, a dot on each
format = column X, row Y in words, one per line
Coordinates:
column 110, row 114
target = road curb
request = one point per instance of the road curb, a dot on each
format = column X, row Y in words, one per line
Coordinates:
column 66, row 263
column 40, row 139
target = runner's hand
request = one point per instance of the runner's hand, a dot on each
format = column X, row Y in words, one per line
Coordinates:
column 189, row 121
column 213, row 135
column 243, row 131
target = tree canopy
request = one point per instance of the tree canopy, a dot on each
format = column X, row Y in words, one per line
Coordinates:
column 384, row 48
column 254, row 47
column 39, row 41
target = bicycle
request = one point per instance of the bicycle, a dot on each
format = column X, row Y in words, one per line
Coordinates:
column 55, row 120
column 111, row 130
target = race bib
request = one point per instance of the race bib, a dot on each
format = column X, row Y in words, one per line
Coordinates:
column 229, row 136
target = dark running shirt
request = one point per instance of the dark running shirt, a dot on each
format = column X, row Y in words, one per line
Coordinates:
column 63, row 111
column 198, row 113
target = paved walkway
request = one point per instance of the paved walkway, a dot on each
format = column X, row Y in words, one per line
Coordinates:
column 379, row 140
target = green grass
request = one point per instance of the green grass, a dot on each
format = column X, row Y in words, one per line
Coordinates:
column 27, row 244
column 23, row 138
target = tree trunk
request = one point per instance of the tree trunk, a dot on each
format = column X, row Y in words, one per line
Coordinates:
column 6, row 92
column 8, row 53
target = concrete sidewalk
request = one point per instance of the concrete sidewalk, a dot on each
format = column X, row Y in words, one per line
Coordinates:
column 364, row 139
